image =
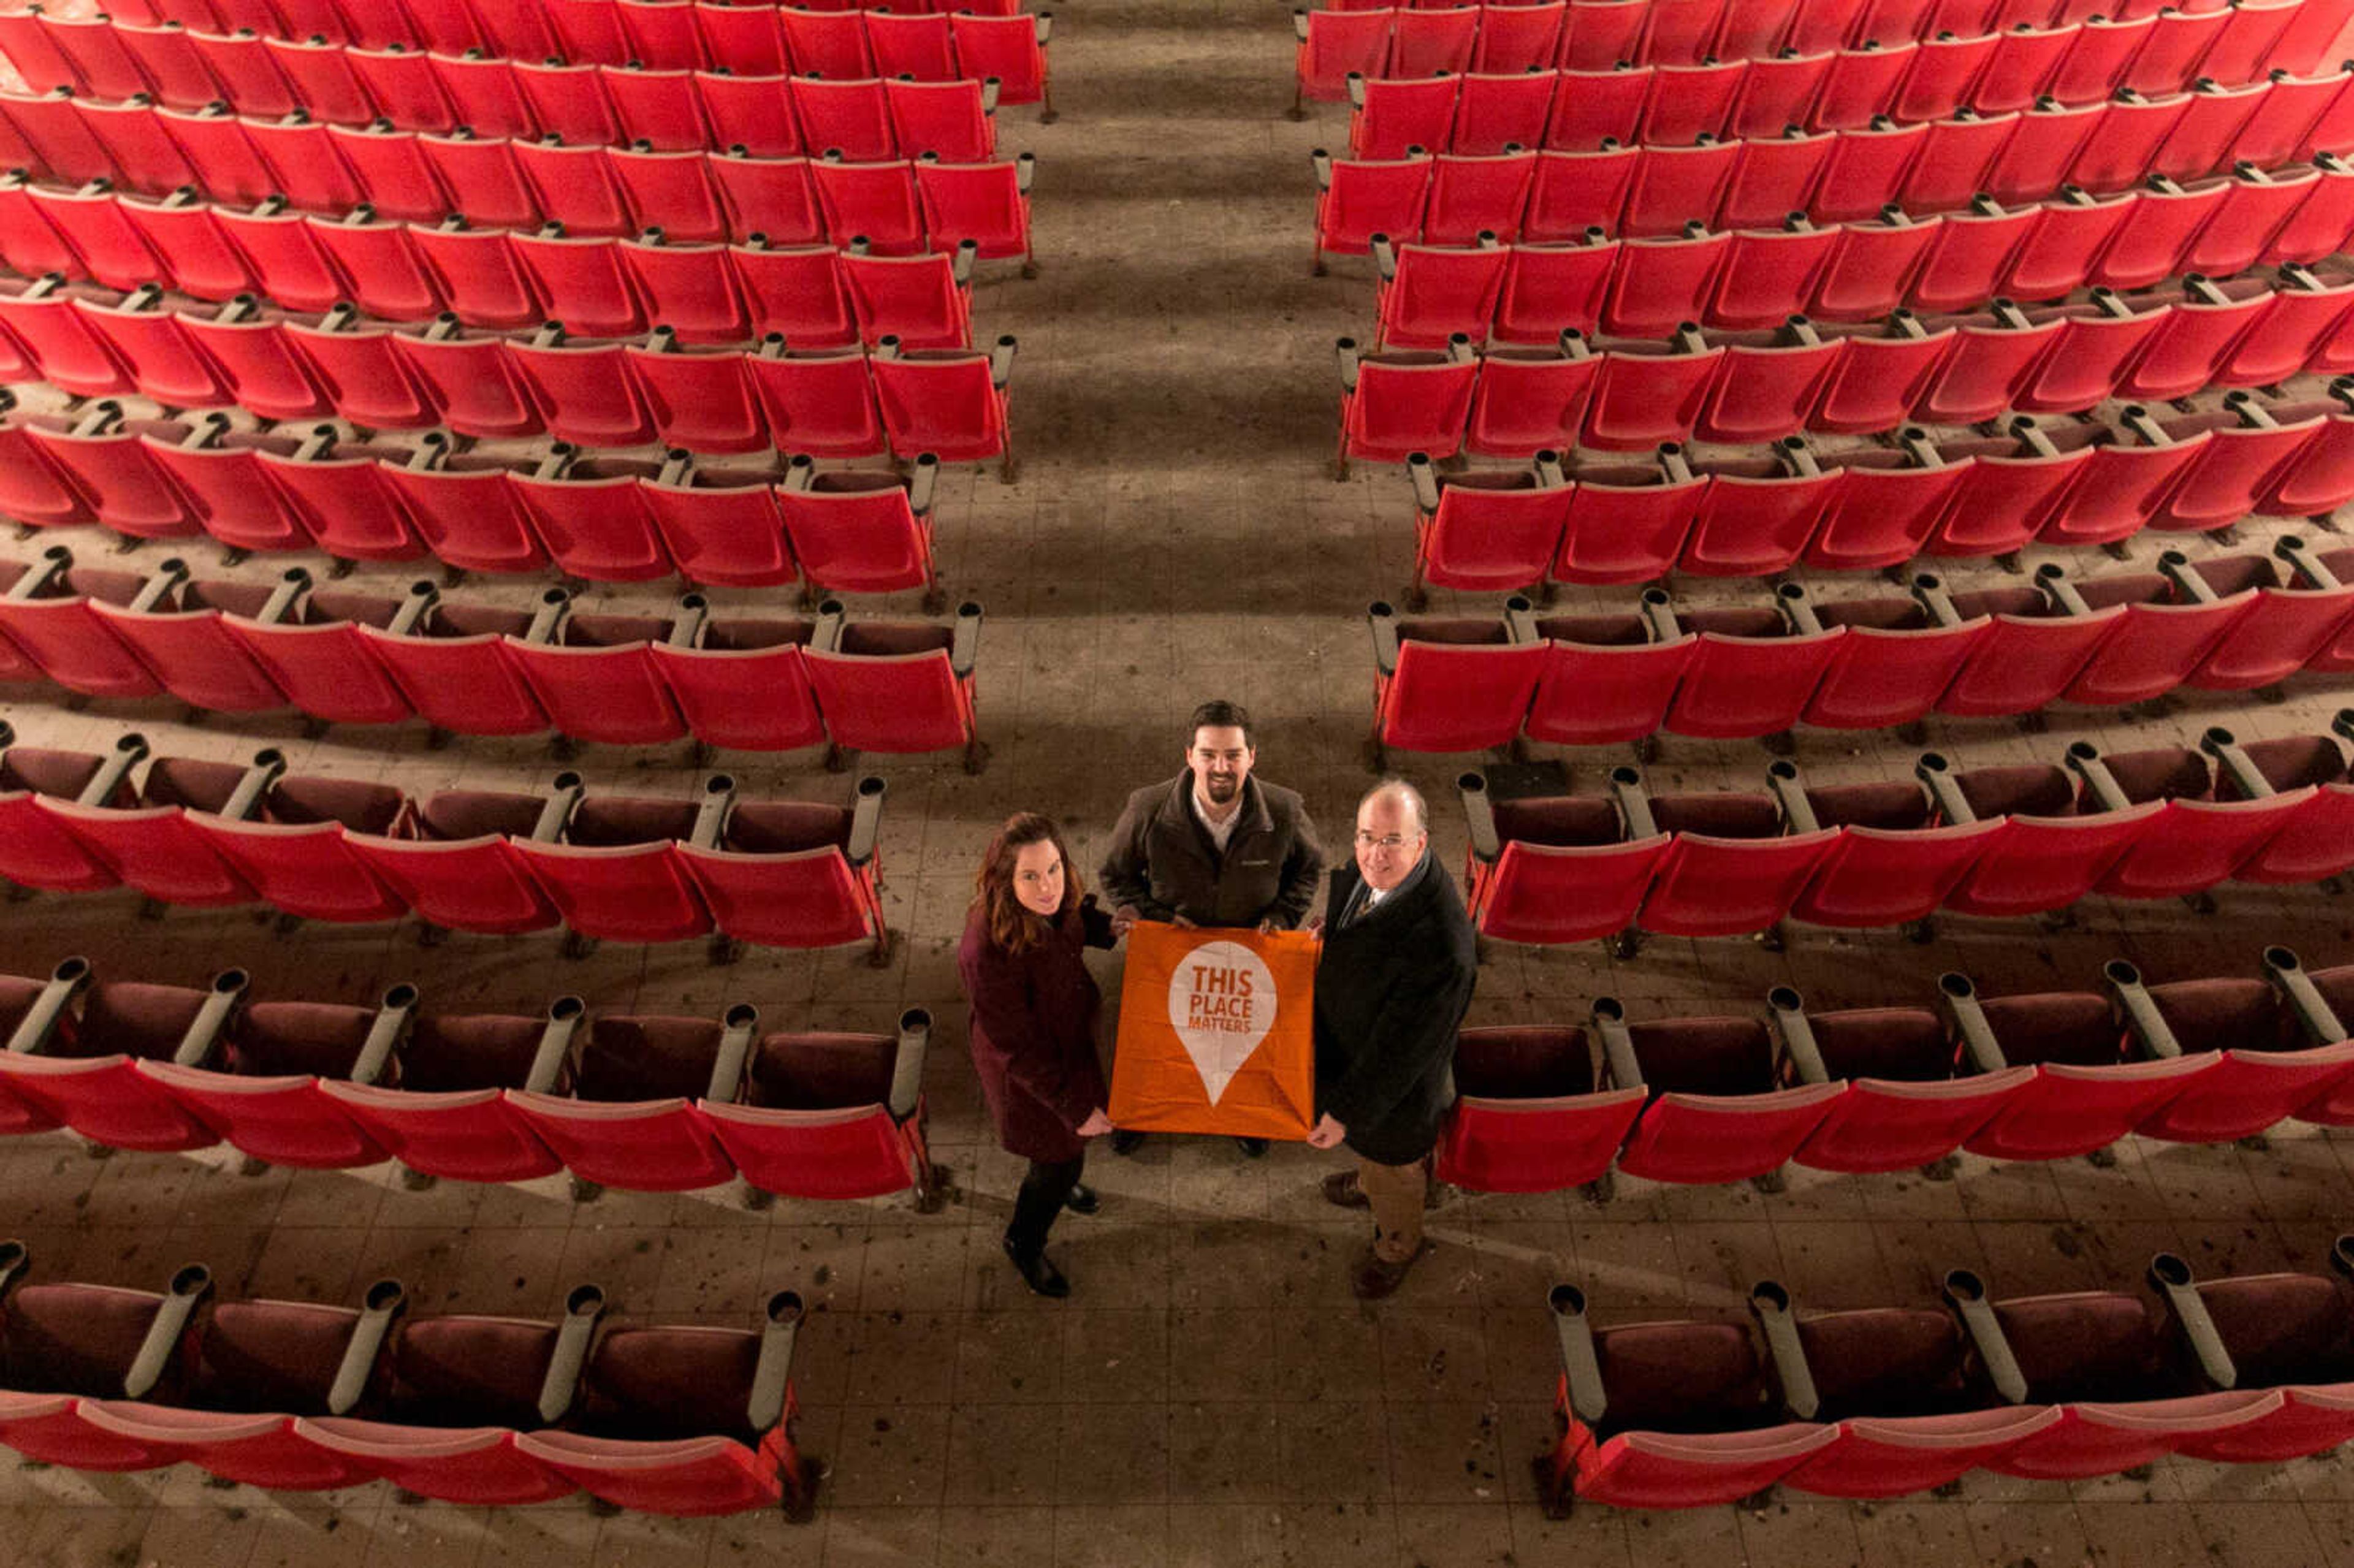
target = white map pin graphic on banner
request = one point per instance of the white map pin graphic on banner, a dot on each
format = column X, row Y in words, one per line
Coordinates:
column 1220, row 1003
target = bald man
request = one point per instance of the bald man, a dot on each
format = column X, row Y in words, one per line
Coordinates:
column 1392, row 985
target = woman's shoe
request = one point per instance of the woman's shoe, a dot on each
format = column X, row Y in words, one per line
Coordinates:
column 1082, row 1200
column 1042, row 1276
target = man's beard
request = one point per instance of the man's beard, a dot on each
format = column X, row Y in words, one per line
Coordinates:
column 1221, row 790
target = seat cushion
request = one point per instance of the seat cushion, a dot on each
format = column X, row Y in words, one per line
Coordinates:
column 822, row 1072
column 1705, row 1056
column 648, row 1059
column 660, row 1385
column 1888, row 1361
column 280, row 1037
column 2284, row 1328
column 2088, row 1345
column 1526, row 1062
column 264, row 1356
column 1725, row 814
column 470, row 1051
column 2071, row 1027
column 467, row 1371
column 1681, row 1377
column 1907, row 1044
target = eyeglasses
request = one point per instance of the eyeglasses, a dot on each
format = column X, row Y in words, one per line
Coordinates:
column 1385, row 841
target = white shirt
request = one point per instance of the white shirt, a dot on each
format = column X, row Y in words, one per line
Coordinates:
column 1220, row 832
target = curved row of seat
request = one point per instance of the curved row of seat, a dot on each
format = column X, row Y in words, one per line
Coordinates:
column 296, row 1396
column 2232, row 624
column 844, row 402
column 777, row 874
column 602, row 519
column 478, row 669
column 1877, row 1402
column 1597, row 35
column 156, row 49
column 582, row 101
column 489, row 279
column 645, row 1104
column 1831, row 176
column 1414, row 60
column 2072, row 485
column 1998, row 843
column 1860, row 271
column 1748, row 389
column 2046, row 1075
column 898, row 205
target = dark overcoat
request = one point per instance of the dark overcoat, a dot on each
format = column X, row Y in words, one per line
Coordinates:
column 1033, row 1032
column 1391, row 989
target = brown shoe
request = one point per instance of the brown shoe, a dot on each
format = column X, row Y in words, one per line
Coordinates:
column 1374, row 1277
column 1341, row 1188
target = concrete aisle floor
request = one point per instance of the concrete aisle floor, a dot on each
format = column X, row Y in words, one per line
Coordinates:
column 1210, row 1394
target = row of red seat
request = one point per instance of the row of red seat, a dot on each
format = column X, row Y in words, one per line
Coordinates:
column 951, row 403
column 2076, row 484
column 291, row 1396
column 1886, row 1089
column 645, row 1104
column 1596, row 35
column 478, row 669
column 1997, row 843
column 2232, row 624
column 1413, row 59
column 898, row 207
column 1750, row 388
column 814, row 296
column 749, row 40
column 1831, row 176
column 1531, row 294
column 1880, row 1401
column 777, row 874
column 577, row 97
column 604, row 519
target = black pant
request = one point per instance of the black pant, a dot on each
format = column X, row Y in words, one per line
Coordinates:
column 1043, row 1193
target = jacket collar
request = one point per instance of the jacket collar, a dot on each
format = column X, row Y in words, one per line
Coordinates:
column 1252, row 816
column 1395, row 897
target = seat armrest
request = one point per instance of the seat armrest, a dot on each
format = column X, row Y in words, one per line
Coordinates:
column 384, row 1303
column 1580, row 1367
column 40, row 1025
column 1479, row 814
column 565, row 1015
column 203, row 1032
column 964, row 644
column 866, row 819
column 1769, row 1303
column 1383, row 622
column 1960, row 996
column 1795, row 1034
column 1965, row 1293
column 562, row 1384
column 907, row 1062
column 772, row 1374
column 727, row 1085
column 395, row 1015
column 2147, row 1025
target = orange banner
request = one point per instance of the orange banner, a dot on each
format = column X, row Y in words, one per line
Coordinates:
column 1214, row 1033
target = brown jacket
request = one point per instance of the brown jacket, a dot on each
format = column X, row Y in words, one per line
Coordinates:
column 1162, row 862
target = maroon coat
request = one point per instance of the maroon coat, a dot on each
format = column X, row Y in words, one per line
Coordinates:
column 1033, row 1032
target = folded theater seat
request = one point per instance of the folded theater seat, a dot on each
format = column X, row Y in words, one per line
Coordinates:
column 674, row 1419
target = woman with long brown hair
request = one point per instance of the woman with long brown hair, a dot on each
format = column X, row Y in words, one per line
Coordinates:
column 1033, row 1027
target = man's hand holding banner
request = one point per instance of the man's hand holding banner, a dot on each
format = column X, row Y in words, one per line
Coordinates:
column 1214, row 1033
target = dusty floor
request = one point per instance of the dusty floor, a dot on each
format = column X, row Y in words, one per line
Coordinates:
column 1210, row 1394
